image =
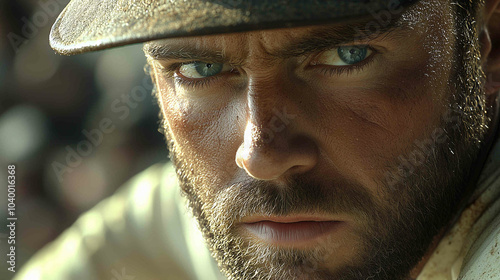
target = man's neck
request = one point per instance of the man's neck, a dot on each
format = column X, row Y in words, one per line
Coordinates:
column 470, row 187
column 418, row 268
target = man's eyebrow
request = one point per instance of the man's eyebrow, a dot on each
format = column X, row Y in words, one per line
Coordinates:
column 327, row 38
column 161, row 51
column 318, row 39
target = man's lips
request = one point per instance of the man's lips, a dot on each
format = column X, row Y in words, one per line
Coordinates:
column 291, row 230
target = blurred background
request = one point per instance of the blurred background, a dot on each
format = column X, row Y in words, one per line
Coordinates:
column 75, row 127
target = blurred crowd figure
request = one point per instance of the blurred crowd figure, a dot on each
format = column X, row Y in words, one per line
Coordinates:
column 52, row 109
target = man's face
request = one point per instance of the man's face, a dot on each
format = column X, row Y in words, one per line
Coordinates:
column 307, row 157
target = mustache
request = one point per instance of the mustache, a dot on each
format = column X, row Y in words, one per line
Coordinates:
column 296, row 196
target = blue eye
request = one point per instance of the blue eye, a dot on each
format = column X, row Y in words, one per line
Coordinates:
column 208, row 69
column 352, row 54
column 343, row 56
column 199, row 69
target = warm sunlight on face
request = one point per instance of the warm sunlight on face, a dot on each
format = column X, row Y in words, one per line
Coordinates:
column 288, row 143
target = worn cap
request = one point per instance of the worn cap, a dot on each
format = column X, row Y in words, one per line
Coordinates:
column 88, row 25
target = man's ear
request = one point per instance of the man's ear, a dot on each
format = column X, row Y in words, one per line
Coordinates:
column 490, row 45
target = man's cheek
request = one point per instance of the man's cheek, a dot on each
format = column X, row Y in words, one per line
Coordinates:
column 207, row 140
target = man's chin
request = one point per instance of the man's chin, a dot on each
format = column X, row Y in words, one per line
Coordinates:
column 245, row 255
column 271, row 261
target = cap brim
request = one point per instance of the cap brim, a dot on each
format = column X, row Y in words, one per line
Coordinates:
column 89, row 25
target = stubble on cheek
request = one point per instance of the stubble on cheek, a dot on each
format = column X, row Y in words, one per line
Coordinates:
column 202, row 142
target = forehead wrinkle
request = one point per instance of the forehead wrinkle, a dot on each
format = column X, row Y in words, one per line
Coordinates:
column 260, row 43
column 235, row 47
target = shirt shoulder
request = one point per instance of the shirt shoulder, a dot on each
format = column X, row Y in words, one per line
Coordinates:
column 143, row 230
column 483, row 259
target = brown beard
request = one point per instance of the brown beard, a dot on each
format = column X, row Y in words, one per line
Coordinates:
column 419, row 201
column 395, row 238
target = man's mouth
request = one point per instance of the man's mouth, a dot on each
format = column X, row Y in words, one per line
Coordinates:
column 291, row 230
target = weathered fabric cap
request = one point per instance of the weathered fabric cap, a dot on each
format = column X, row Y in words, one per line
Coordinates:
column 88, row 25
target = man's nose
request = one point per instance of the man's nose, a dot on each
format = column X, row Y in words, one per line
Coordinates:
column 276, row 142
